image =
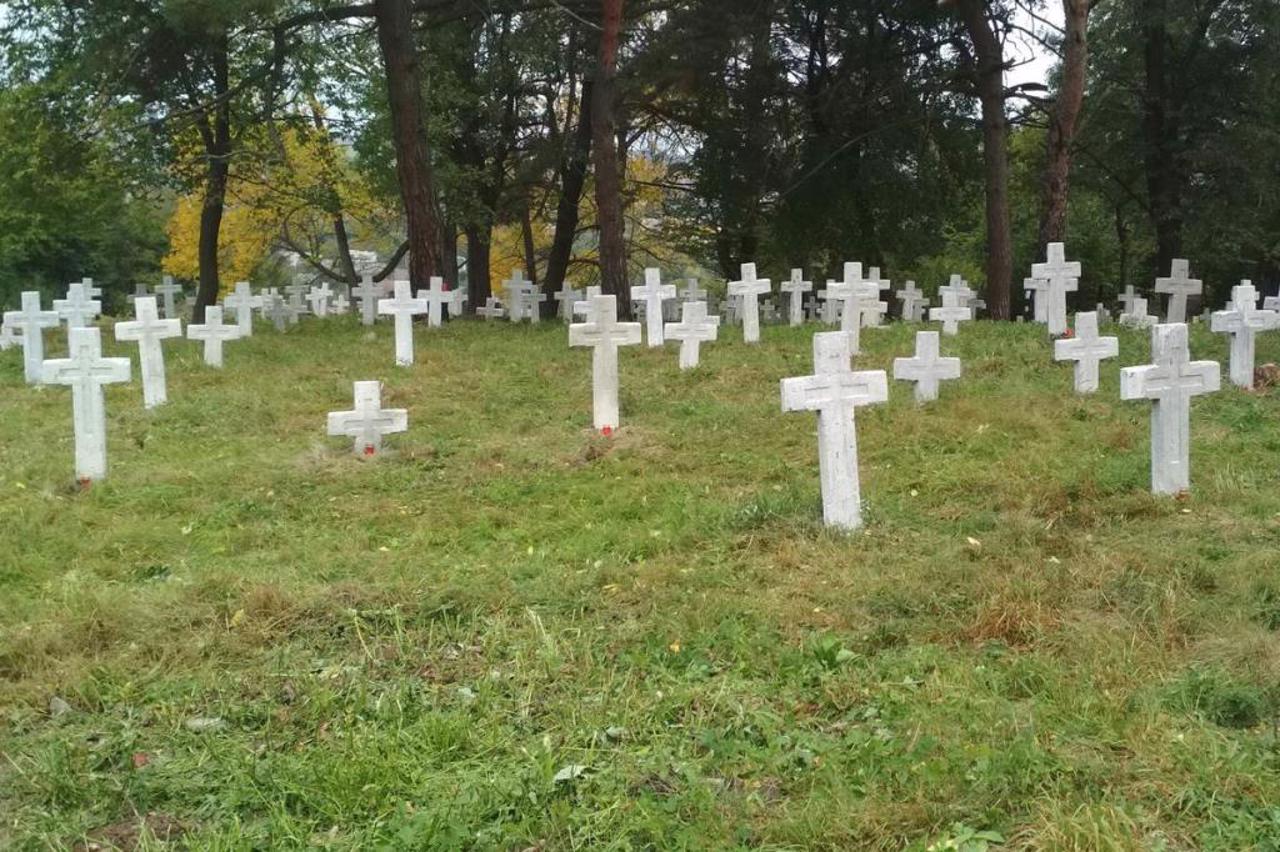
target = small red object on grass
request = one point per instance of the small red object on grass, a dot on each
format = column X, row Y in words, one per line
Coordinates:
column 140, row 759
column 606, row 431
column 368, row 451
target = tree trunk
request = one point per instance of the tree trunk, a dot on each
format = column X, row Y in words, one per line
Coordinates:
column 526, row 236
column 478, row 291
column 1062, row 121
column 217, row 144
column 573, row 177
column 1160, row 130
column 409, row 136
column 995, row 154
column 613, row 261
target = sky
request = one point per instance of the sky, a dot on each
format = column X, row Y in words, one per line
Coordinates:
column 1037, row 61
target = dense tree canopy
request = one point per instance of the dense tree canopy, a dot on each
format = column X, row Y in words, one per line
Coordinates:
column 788, row 132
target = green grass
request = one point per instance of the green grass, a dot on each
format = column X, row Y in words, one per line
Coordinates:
column 409, row 652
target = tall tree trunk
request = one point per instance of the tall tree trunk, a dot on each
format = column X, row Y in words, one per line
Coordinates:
column 613, row 260
column 526, row 237
column 409, row 136
column 995, row 153
column 449, row 253
column 573, row 177
column 1062, row 121
column 478, row 244
column 1160, row 130
column 216, row 136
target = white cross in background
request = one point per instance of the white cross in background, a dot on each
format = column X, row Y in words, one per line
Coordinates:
column 1086, row 348
column 32, row 321
column 78, row 309
column 1179, row 285
column 795, row 288
column 653, row 294
column 913, row 302
column 694, row 328
column 1060, row 278
column 242, row 301
column 214, row 334
column 368, row 293
column 951, row 314
column 926, row 368
column 167, row 291
column 86, row 372
column 319, row 297
column 436, row 297
column 750, row 289
column 604, row 334
column 148, row 330
column 1243, row 320
column 403, row 306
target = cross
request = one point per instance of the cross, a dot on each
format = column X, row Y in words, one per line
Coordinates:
column 214, row 334
column 91, row 290
column 86, row 371
column 1086, row 348
column 242, row 301
column 1060, row 278
column 1179, row 285
column 297, row 293
column 1036, row 287
column 795, row 288
column 32, row 321
column 78, row 309
column 523, row 296
column 873, row 309
column 1126, row 299
column 951, row 314
column 1242, row 320
column 277, row 310
column 436, row 297
column 1171, row 381
column 749, row 289
column 368, row 421
column 368, row 293
column 691, row 292
column 492, row 308
column 847, row 294
column 913, row 302
column 960, row 288
column 456, row 301
column 139, row 291
column 1271, row 303
column 694, row 328
column 1139, row 318
column 148, row 330
column 582, row 308
column 653, row 294
column 167, row 290
column 926, row 369
column 403, row 306
column 9, row 336
column 566, row 296
column 319, row 297
column 835, row 391
column 604, row 334
column 341, row 304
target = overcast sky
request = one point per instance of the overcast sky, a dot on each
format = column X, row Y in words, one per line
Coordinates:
column 1036, row 61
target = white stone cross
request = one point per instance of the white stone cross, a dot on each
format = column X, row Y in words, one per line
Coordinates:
column 139, row 292
column 341, row 304
column 523, row 297
column 566, row 296
column 368, row 421
column 242, row 301
column 795, row 288
column 960, row 288
column 368, row 293
column 297, row 293
column 1126, row 299
column 582, row 308
column 148, row 330
column 214, row 334
column 653, row 294
column 1243, row 320
column 926, row 368
column 835, row 391
column 456, row 301
column 951, row 314
column 86, row 371
column 1037, row 288
column 1179, row 285
column 1086, row 348
column 9, row 336
column 277, row 311
column 691, row 292
column 436, row 297
column 845, row 296
column 604, row 334
column 694, row 328
column 750, row 289
column 492, row 309
column 1060, row 278
column 32, row 321
column 913, row 302
column 872, row 306
column 403, row 306
column 167, row 291
column 319, row 297
column 1171, row 381
column 91, row 290
column 1138, row 318
column 77, row 310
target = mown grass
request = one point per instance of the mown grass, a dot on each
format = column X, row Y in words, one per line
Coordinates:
column 507, row 632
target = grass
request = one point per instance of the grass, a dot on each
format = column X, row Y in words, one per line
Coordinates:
column 509, row 633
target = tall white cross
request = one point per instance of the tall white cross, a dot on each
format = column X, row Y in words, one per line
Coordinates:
column 847, row 294
column 951, row 314
column 926, row 368
column 795, row 288
column 1086, row 348
column 604, row 334
column 1179, row 285
column 1171, row 381
column 1060, row 278
column 835, row 391
column 492, row 309
column 86, row 371
column 582, row 308
column 1126, row 299
column 872, row 306
column 913, row 302
column 456, row 301
column 750, row 289
column 694, row 328
column 691, row 292
column 32, row 321
column 214, row 334
column 148, row 330
column 653, row 294
column 1138, row 316
column 77, row 310
column 368, row 421
column 368, row 293
column 523, row 297
column 242, row 301
column 403, row 306
column 436, row 297
column 167, row 290
column 1243, row 320
column 319, row 296
column 91, row 290
column 565, row 297
column 139, row 291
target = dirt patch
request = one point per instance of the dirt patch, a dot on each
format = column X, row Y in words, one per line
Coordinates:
column 128, row 834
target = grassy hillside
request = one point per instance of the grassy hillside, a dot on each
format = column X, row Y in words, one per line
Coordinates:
column 507, row 632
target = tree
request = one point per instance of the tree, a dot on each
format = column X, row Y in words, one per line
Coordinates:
column 608, row 177
column 1062, row 120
